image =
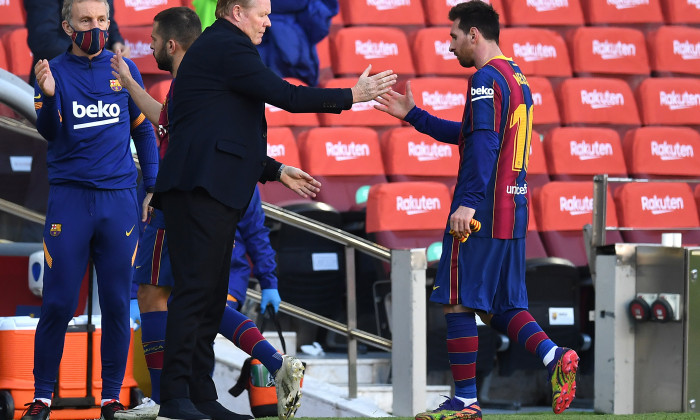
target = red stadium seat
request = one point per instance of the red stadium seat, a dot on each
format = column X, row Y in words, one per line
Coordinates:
column 681, row 11
column 431, row 53
column 675, row 49
column 277, row 117
column 138, row 38
column 19, row 57
column 697, row 196
column 538, row 52
column 338, row 19
column 346, row 160
column 662, row 152
column 562, row 209
column 622, row 11
column 353, row 49
column 382, row 12
column 436, row 11
column 597, row 101
column 543, row 12
column 657, row 205
column 362, row 113
column 12, row 13
column 579, row 153
column 669, row 101
column 412, row 156
column 546, row 109
column 140, row 12
column 443, row 97
column 609, row 50
column 404, row 215
column 537, row 173
column 282, row 147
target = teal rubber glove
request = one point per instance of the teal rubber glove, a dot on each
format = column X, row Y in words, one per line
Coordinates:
column 135, row 313
column 270, row 297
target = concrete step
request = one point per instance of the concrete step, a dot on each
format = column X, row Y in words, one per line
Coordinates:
column 373, row 368
column 321, row 398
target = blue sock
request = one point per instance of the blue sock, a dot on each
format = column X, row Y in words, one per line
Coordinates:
column 246, row 336
column 153, row 339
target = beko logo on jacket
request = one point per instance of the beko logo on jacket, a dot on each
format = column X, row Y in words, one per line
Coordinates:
column 108, row 114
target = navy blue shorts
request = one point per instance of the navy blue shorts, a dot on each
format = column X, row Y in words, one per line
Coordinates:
column 152, row 264
column 485, row 274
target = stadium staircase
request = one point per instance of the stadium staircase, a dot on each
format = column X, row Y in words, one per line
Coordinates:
column 325, row 388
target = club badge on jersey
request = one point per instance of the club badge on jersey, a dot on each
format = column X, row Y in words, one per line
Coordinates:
column 55, row 229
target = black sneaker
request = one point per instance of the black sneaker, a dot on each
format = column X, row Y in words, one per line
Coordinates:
column 180, row 409
column 36, row 410
column 219, row 412
column 110, row 408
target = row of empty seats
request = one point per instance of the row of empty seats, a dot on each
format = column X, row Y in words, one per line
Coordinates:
column 434, row 12
column 414, row 214
column 522, row 12
column 564, row 154
column 539, row 52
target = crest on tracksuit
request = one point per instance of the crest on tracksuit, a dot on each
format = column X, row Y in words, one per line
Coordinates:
column 115, row 85
column 55, row 229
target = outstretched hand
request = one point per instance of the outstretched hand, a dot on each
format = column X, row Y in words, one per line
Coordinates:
column 369, row 87
column 120, row 70
column 299, row 181
column 44, row 77
column 396, row 104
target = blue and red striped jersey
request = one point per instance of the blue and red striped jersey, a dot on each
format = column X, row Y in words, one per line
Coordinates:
column 494, row 146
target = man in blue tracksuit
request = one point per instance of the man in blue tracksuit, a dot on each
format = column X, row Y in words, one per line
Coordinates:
column 88, row 119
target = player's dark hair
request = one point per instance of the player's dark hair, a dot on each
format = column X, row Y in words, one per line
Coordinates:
column 479, row 15
column 179, row 23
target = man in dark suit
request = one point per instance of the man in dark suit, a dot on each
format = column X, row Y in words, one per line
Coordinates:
column 216, row 155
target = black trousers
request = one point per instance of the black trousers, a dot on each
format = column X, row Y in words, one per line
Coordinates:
column 201, row 231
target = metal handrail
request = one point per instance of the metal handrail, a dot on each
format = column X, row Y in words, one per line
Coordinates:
column 600, row 191
column 322, row 321
column 21, row 212
column 600, row 203
column 351, row 243
column 327, row 231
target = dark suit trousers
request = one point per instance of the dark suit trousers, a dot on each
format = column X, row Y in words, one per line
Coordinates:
column 201, row 231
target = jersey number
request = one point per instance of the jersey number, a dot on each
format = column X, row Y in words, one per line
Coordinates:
column 523, row 135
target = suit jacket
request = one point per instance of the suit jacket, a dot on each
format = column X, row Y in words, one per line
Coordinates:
column 218, row 137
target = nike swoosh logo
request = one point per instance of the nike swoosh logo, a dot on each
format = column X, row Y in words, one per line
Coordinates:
column 37, row 96
column 128, row 233
column 435, row 287
column 138, row 266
